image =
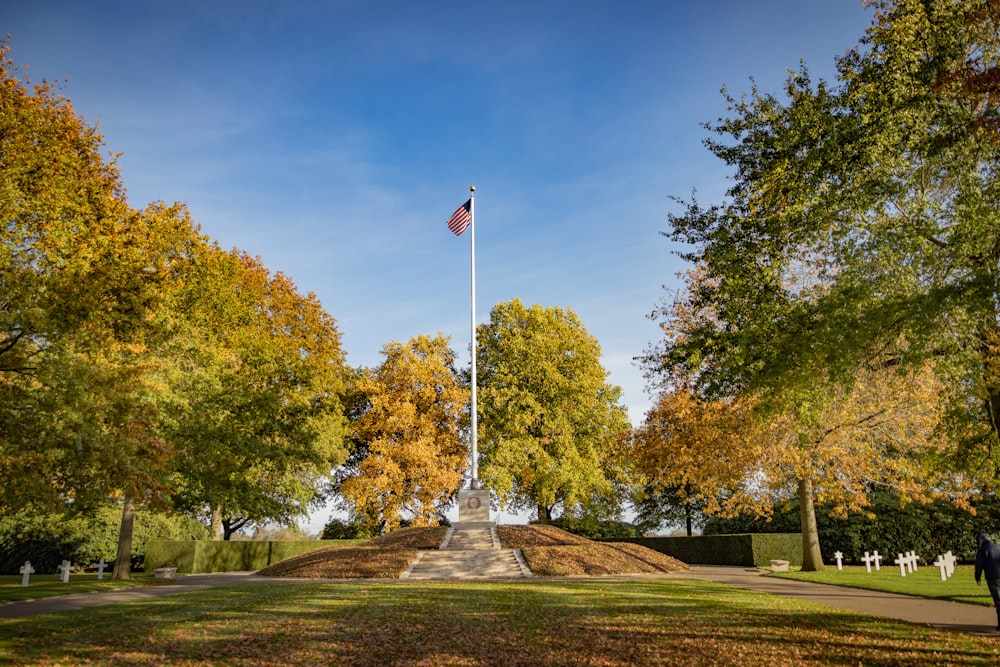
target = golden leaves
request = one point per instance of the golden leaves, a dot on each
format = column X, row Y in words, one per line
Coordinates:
column 412, row 431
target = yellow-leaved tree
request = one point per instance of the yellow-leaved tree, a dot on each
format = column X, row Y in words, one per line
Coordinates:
column 409, row 454
column 830, row 442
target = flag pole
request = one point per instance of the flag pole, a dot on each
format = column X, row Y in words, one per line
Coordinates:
column 474, row 484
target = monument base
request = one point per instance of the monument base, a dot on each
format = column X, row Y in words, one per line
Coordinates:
column 473, row 505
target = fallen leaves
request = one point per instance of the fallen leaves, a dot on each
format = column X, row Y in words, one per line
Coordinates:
column 529, row 623
column 549, row 552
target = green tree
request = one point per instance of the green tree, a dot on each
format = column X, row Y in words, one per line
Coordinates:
column 661, row 507
column 881, row 188
column 410, row 434
column 83, row 279
column 860, row 236
column 259, row 375
column 550, row 422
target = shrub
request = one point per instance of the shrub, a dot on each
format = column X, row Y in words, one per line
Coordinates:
column 597, row 529
column 337, row 529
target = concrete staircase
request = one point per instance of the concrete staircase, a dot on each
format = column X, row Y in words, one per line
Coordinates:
column 469, row 551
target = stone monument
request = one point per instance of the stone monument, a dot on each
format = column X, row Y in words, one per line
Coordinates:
column 473, row 505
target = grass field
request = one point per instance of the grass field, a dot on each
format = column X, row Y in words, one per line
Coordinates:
column 925, row 582
column 539, row 622
column 48, row 585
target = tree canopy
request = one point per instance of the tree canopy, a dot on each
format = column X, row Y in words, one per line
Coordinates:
column 126, row 337
column 848, row 283
column 408, row 435
column 550, row 421
column 878, row 192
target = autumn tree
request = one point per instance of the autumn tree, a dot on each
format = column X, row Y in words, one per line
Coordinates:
column 409, row 430
column 881, row 433
column 83, row 278
column 97, row 342
column 549, row 420
column 829, row 442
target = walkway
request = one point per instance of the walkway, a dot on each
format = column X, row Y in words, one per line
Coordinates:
column 183, row 583
column 937, row 613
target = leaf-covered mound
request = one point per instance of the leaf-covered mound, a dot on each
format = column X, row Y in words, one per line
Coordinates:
column 365, row 562
column 383, row 557
column 552, row 552
column 411, row 538
column 549, row 552
column 521, row 537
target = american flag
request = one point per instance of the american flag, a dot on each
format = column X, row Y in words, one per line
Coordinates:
column 461, row 218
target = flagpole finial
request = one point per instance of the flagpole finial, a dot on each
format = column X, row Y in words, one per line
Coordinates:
column 472, row 188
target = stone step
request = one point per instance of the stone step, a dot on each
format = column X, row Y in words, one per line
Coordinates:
column 467, row 564
column 470, row 539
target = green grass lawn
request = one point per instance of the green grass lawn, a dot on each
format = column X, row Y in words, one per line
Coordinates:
column 579, row 622
column 925, row 582
column 48, row 585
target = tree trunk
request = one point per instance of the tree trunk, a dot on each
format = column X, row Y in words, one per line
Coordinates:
column 544, row 514
column 688, row 520
column 989, row 354
column 812, row 558
column 231, row 525
column 123, row 561
column 216, row 526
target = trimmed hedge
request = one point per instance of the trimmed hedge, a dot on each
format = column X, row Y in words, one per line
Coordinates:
column 196, row 557
column 749, row 550
column 927, row 529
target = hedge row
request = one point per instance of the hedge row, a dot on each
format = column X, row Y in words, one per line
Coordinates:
column 749, row 550
column 195, row 557
column 928, row 529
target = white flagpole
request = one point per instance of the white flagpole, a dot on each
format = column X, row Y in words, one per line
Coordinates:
column 475, row 416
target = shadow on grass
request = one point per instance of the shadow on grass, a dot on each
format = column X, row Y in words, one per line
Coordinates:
column 486, row 623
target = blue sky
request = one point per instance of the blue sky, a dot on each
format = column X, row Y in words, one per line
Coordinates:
column 334, row 138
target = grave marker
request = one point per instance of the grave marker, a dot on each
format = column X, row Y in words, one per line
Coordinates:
column 840, row 559
column 942, row 563
column 64, row 568
column 868, row 560
column 912, row 555
column 26, row 571
column 878, row 559
column 100, row 569
column 951, row 560
column 901, row 561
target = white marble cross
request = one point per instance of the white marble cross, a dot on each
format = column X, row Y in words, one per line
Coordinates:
column 942, row 564
column 867, row 560
column 902, row 561
column 950, row 560
column 878, row 560
column 100, row 568
column 64, row 568
column 912, row 555
column 26, row 571
column 840, row 559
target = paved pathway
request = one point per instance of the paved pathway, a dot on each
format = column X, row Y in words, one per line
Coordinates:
column 189, row 582
column 937, row 613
